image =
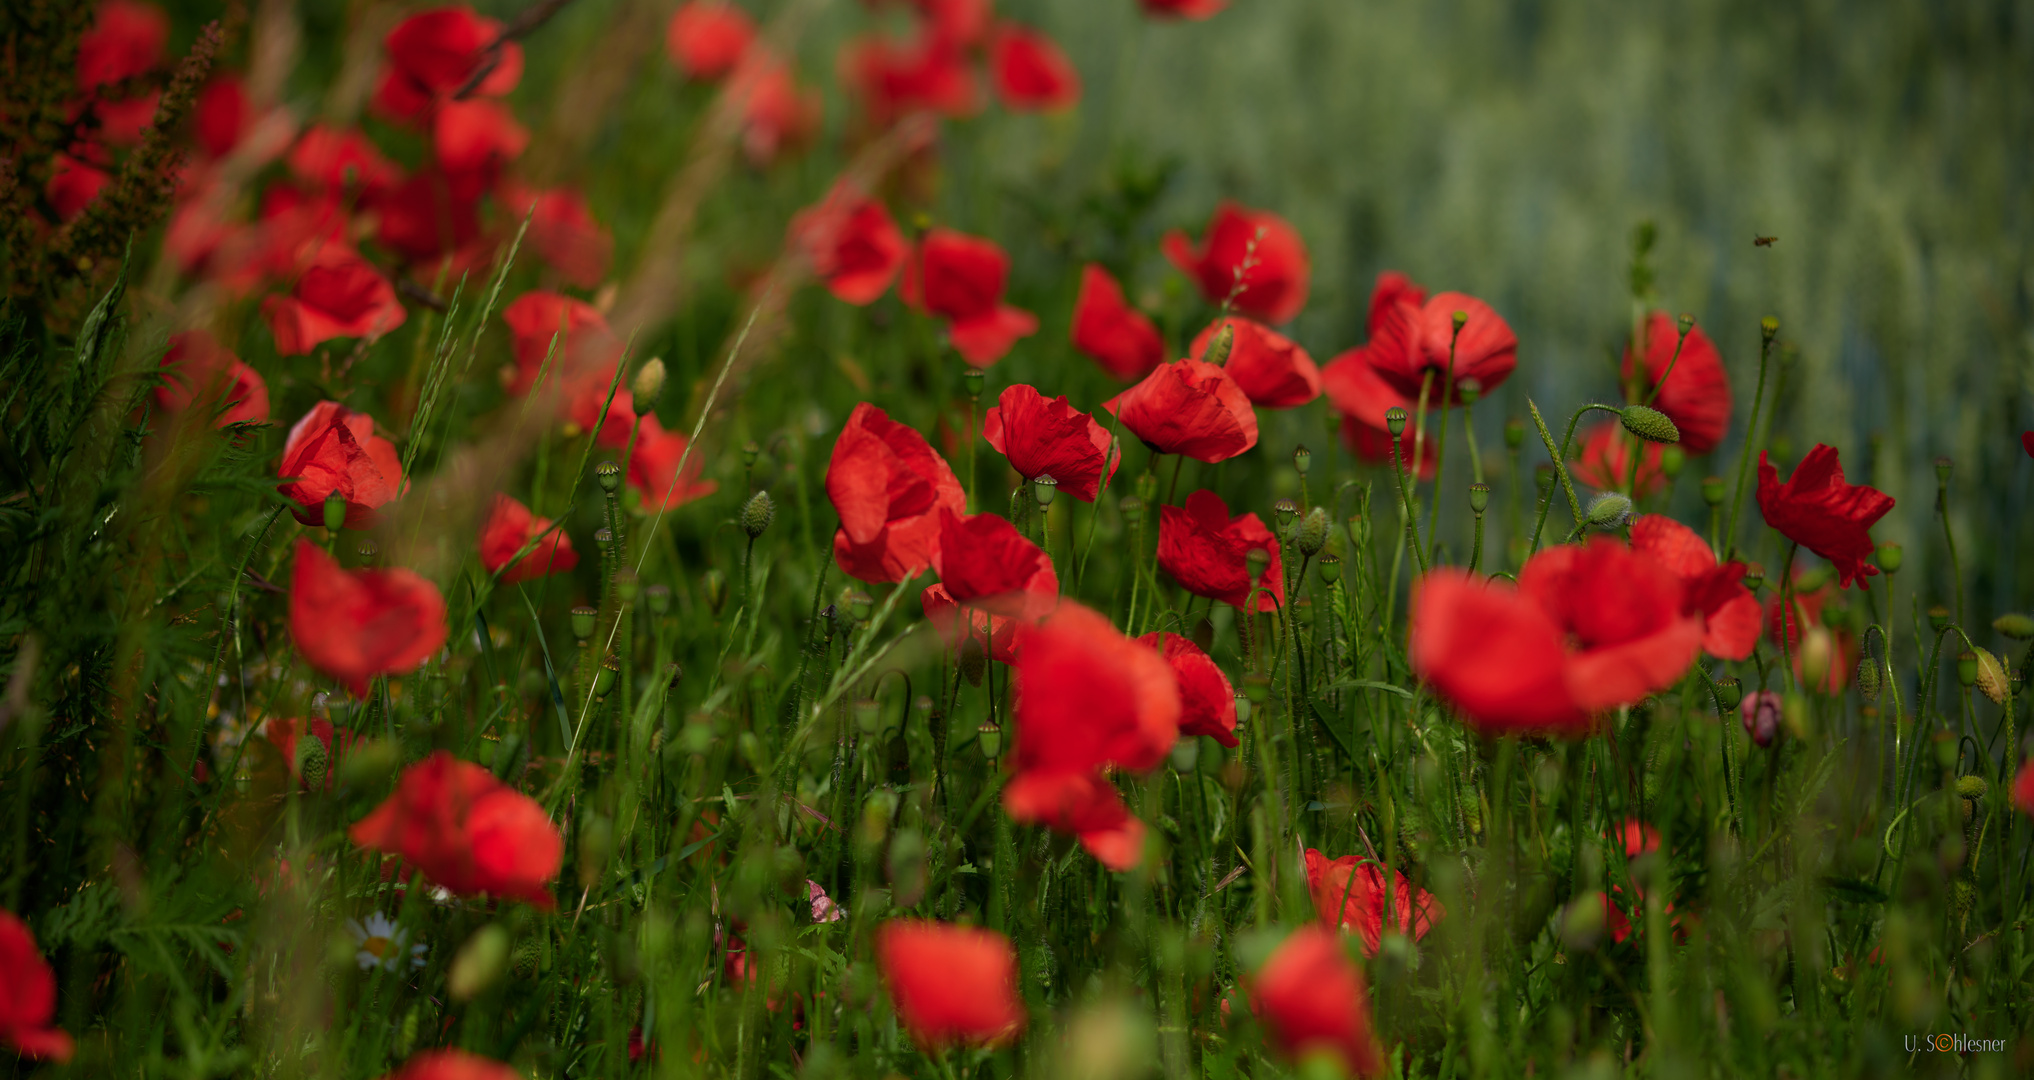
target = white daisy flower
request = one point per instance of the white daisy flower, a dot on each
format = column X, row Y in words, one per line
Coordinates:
column 382, row 942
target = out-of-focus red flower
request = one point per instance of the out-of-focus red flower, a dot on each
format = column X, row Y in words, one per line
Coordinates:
column 1760, row 712
column 888, row 486
column 287, row 732
column 1391, row 289
column 960, row 22
column 341, row 160
column 431, row 54
column 1623, row 613
column 1119, row 337
column 473, row 140
column 1362, row 397
column 466, row 831
column 356, row 625
column 984, row 562
column 950, row 984
column 1604, row 462
column 653, row 468
column 566, row 235
column 1030, row 71
column 1207, row 552
column 893, row 79
column 1207, row 701
column 1492, row 653
column 1183, row 9
column 1696, row 395
column 73, row 184
column 584, row 342
column 1349, row 891
column 126, row 41
column 1805, row 622
column 1638, row 838
column 1271, row 368
column 339, row 295
column 335, row 450
column 222, row 114
column 1047, row 437
column 960, row 278
column 852, row 242
column 1313, row 998
column 2027, row 442
column 426, row 217
column 956, row 622
column 706, row 38
column 1730, row 614
column 1084, row 804
column 509, row 527
column 452, row 1065
column 28, row 995
column 777, row 116
column 197, row 370
column 1411, row 339
column 1817, row 509
column 2023, row 789
column 1191, row 408
column 1273, row 288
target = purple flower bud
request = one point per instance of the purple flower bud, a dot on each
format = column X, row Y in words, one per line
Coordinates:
column 1761, row 712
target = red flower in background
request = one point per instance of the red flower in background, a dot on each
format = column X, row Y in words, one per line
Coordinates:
column 1047, row 437
column 1207, row 701
column 433, row 53
column 1030, row 71
column 985, row 563
column 1191, row 408
column 706, row 38
column 356, row 625
column 777, row 116
column 956, row 622
column 452, row 1065
column 1183, row 9
column 852, row 242
column 893, row 79
column 1817, row 509
column 653, row 468
column 1624, row 615
column 2027, row 442
column 28, row 995
column 1604, row 462
column 1806, row 622
column 509, row 527
column 960, row 278
column 1118, row 336
column 73, row 184
column 2023, row 789
column 339, row 295
column 1696, row 395
column 1350, row 892
column 950, row 984
column 199, row 371
column 1362, row 397
column 334, row 450
column 1271, row 368
column 566, row 235
column 1760, row 713
column 466, row 831
column 1730, row 614
column 584, row 342
column 1494, row 654
column 1638, row 837
column 962, row 22
column 473, row 140
column 426, row 217
column 126, row 41
column 1274, row 288
column 1312, row 997
column 1411, row 338
column 888, row 485
column 222, row 114
column 341, row 160
column 1207, row 552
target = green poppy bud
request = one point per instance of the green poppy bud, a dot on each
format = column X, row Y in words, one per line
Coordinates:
column 1649, row 424
column 649, row 384
column 1218, row 348
column 1890, row 557
column 478, row 963
column 1609, row 511
column 1769, row 328
column 1991, row 676
column 1514, row 433
column 1868, row 681
column 1469, row 389
column 1312, row 534
column 1672, row 460
column 313, row 763
column 714, row 584
column 750, row 452
column 1971, row 787
column 757, row 514
column 2017, row 627
column 608, row 475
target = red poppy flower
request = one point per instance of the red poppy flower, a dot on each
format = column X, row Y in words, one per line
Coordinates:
column 286, row 732
column 335, row 450
column 426, row 217
column 1183, row 9
column 1604, row 462
column 2023, row 789
column 339, row 295
column 852, row 242
column 985, row 562
column 356, row 625
column 1638, row 838
column 1047, row 437
column 1494, row 654
column 222, row 114
column 1391, row 289
column 1207, row 701
column 961, row 22
column 1696, row 395
column 1118, row 336
column 1730, row 614
column 1806, row 622
column 1084, row 804
column 1312, row 997
column 341, row 160
column 1818, row 510
column 1030, row 71
column 956, row 622
column 452, row 1065
column 473, row 140
column 706, row 38
column 565, row 234
column 950, row 984
column 1207, row 552
column 467, row 831
column 777, row 115
column 1349, row 892
column 888, row 485
column 28, row 995
column 2027, row 442
column 1622, row 611
column 433, row 53
column 893, row 79
column 1362, row 397
column 1191, row 408
column 1760, row 714
column 197, row 370
column 1413, row 339
column 960, row 278
column 653, row 468
column 584, row 342
column 1271, row 368
column 1274, row 288
column 73, row 184
column 510, row 526
column 126, row 41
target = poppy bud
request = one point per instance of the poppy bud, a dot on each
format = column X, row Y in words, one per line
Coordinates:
column 335, row 511
column 714, row 583
column 603, row 538
column 1761, row 715
column 1133, row 509
column 1943, row 467
column 973, row 661
column 1687, row 323
column 989, row 738
column 1043, row 488
column 1818, row 652
column 1254, row 562
column 1672, row 460
column 603, row 680
column 1967, row 669
column 1754, row 576
column 1971, row 788
column 750, row 452
column 658, row 599
column 1991, row 676
column 1868, row 685
column 526, row 957
column 582, row 622
column 1469, row 388
column 2015, row 626
column 757, row 514
column 627, row 585
column 479, row 963
column 1461, row 319
column 1479, row 498
column 1219, row 346
column 1186, row 753
column 1302, row 459
column 1394, row 420
column 1649, row 424
column 1712, row 491
column 1242, row 711
column 1728, row 693
column 1331, row 569
column 859, row 604
column 1890, row 557
column 1794, row 712
column 608, row 475
column 649, row 384
column 972, row 379
column 313, row 764
column 1938, row 618
column 1769, row 328
column 1963, row 897
column 1609, row 511
column 1312, row 534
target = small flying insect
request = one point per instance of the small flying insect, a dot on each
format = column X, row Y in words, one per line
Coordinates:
column 1764, row 241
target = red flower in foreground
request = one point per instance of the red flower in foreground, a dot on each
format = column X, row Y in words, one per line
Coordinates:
column 2023, row 789
column 1350, row 892
column 1312, row 997
column 960, row 278
column 510, row 526
column 1184, row 9
column 452, row 1065
column 1818, row 510
column 888, row 485
column 1047, row 437
column 339, row 295
column 1274, row 287
column 1411, row 340
column 467, row 831
column 1030, row 71
column 1623, row 614
column 1696, row 395
column 28, row 995
column 1118, row 336
column 653, row 468
column 853, row 244
column 584, row 342
column 1208, row 552
column 706, row 38
column 1207, row 700
column 359, row 624
column 1271, row 368
column 1604, row 462
column 950, row 984
column 1189, row 408
column 433, row 53
column 1730, row 614
column 984, row 562
column 334, row 450
column 199, row 371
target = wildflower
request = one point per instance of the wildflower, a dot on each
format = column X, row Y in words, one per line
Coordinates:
column 950, row 984
column 452, row 1065
column 1191, row 408
column 1805, row 626
column 960, row 278
column 334, row 451
column 1030, row 72
column 339, row 160
column 1273, row 286
column 887, row 484
column 707, row 38
column 510, row 527
column 653, row 468
column 1047, row 437
column 433, row 53
column 28, row 995
column 467, row 831
column 1730, row 614
column 583, row 338
column 359, row 624
column 1207, row 552
column 1270, row 367
column 956, row 623
column 384, row 944
column 1312, row 997
column 565, row 234
column 127, row 40
column 1818, row 510
column 427, row 217
column 1411, row 340
column 985, row 562
column 852, row 242
column 1118, row 336
column 893, row 79
column 473, row 141
column 776, row 115
column 339, row 295
column 74, row 183
column 824, row 910
column 199, row 371
column 1362, row 398
column 1696, row 394
column 1624, row 614
column 1604, row 462
column 1207, row 701
column 1349, row 892
column 1184, row 9
column 1761, row 715
column 2023, row 789
column 222, row 114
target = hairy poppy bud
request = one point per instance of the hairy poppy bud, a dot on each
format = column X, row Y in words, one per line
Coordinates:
column 1728, row 693
column 608, row 475
column 1991, row 676
column 1469, row 388
column 649, row 384
column 335, row 511
column 1043, row 488
column 582, row 621
column 1712, row 490
column 479, row 963
column 972, row 379
column 1394, row 420
column 527, row 957
column 989, row 738
column 1302, row 459
column 757, row 514
column 1672, row 460
column 1609, row 511
column 1312, row 534
column 859, row 604
column 2015, row 626
column 1649, row 424
column 1331, row 569
column 1769, row 328
column 1971, row 787
column 714, row 584
column 1514, row 433
column 1868, row 683
column 1218, row 348
column 313, row 764
column 1479, row 498
column 658, row 599
column 1761, row 715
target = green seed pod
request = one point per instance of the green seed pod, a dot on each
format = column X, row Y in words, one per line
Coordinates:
column 750, row 452
column 1938, row 618
column 1754, row 576
column 869, row 716
column 1971, row 787
column 1967, row 669
column 1514, row 433
column 658, row 599
column 1218, row 348
column 1962, row 897
column 1286, row 509
column 478, row 963
column 1331, row 569
column 1394, row 420
column 1672, row 460
column 1890, row 557
column 367, row 763
column 972, row 379
column 1469, row 389
column 989, row 739
column 1649, row 424
column 335, row 511
column 1312, row 534
column 1729, row 693
column 1769, row 328
column 368, row 551
column 608, row 475
column 1243, row 708
column 604, row 679
column 649, row 384
column 1186, row 753
column 1256, row 561
column 583, row 619
column 1044, row 488
column 1479, row 498
column 1712, row 490
column 2017, row 627
column 860, row 605
column 627, row 586
column 1944, row 468
column 757, row 514
column 603, row 538
column 1132, row 508
column 1302, row 459
column 1257, row 687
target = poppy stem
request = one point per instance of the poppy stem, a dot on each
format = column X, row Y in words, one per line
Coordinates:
column 1751, row 434
column 1172, row 489
column 1560, row 472
column 1408, row 511
column 1440, row 443
column 1787, row 610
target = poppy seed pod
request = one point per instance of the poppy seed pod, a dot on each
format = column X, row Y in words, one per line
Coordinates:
column 1943, row 468
column 1331, row 569
column 604, row 679
column 1186, row 754
column 1967, row 669
column 972, row 378
column 1469, row 389
column 1729, row 692
column 1649, row 424
column 1043, row 488
column 1242, row 709
column 1394, row 420
column 1312, row 534
column 1769, row 328
column 1890, row 557
column 1479, row 498
column 658, row 599
column 859, row 604
column 627, row 586
column 1514, row 433
column 582, row 621
column 757, row 514
column 1938, row 618
column 750, row 452
column 1672, row 460
column 1302, row 459
column 1687, row 323
column 603, row 538
column 1132, row 508
column 1609, row 511
column 1254, row 562
column 335, row 511
column 649, row 384
column 1754, row 576
column 608, row 475
column 1219, row 347
column 989, row 738
column 1286, row 509
column 2015, row 626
